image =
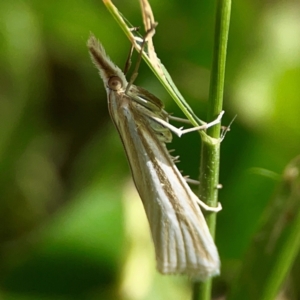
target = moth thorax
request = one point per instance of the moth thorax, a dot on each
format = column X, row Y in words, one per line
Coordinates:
column 115, row 83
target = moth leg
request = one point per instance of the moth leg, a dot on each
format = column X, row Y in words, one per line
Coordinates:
column 191, row 181
column 179, row 131
column 139, row 59
column 128, row 60
column 186, row 121
column 227, row 128
column 181, row 120
column 209, row 208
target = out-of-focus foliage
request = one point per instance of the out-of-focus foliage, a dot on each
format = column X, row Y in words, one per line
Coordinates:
column 72, row 225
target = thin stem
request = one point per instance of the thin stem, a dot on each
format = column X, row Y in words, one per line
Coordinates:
column 276, row 243
column 158, row 69
column 210, row 152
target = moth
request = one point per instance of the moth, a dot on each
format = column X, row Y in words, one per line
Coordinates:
column 182, row 241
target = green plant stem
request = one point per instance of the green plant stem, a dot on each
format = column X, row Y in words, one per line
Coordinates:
column 276, row 243
column 210, row 152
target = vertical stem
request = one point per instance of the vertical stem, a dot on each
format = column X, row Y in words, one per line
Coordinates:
column 208, row 192
column 210, row 153
column 275, row 245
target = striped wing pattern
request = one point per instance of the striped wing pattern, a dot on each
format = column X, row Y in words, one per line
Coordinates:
column 182, row 240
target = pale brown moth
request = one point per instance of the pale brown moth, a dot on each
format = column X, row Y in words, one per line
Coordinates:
column 182, row 241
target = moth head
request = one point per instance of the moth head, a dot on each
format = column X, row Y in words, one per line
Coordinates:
column 112, row 75
column 115, row 83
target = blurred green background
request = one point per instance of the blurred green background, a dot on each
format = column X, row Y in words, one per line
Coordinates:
column 72, row 225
